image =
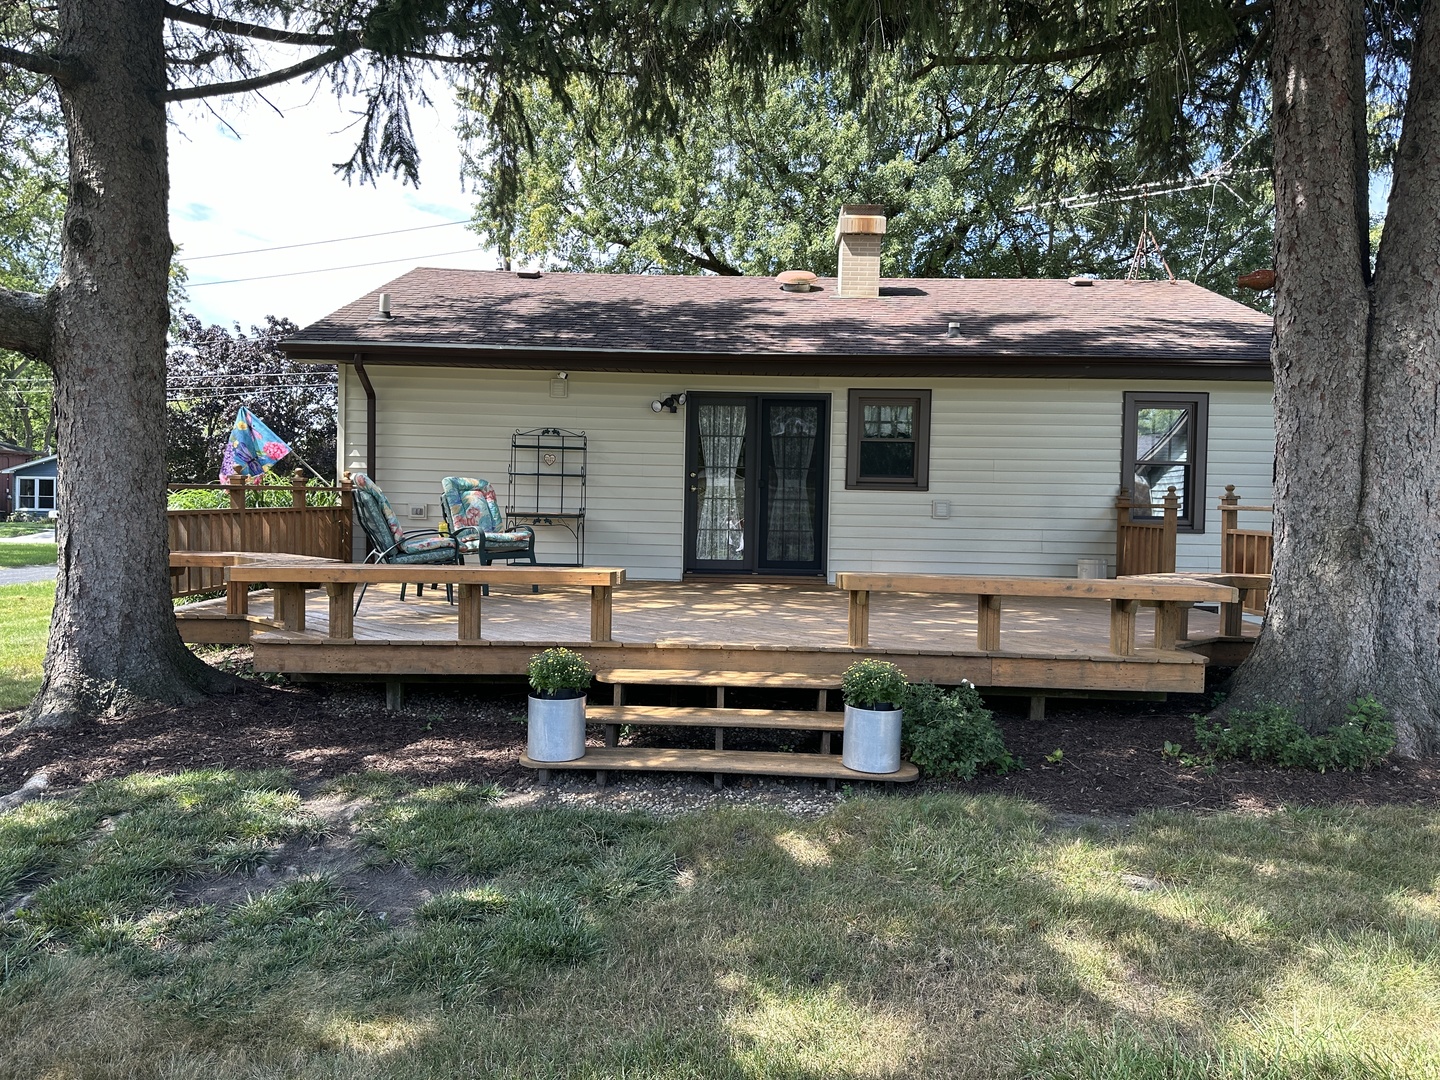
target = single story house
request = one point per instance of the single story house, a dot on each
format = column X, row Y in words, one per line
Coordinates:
column 32, row 485
column 743, row 425
column 11, row 454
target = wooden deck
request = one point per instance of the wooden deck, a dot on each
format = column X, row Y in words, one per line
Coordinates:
column 1049, row 644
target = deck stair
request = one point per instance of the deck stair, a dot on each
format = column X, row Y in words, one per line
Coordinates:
column 719, row 761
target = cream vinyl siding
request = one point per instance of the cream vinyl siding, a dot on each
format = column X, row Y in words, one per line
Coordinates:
column 1030, row 467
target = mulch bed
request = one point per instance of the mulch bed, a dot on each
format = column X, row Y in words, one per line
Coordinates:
column 1110, row 764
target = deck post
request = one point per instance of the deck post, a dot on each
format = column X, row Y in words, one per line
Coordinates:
column 859, row 618
column 394, row 695
column 1169, row 623
column 987, row 624
column 1037, row 708
column 344, row 541
column 1232, row 619
column 1229, row 523
column 297, row 489
column 1122, row 524
column 342, row 608
column 600, row 612
column 1168, row 531
column 290, row 605
column 470, row 611
column 1122, row 627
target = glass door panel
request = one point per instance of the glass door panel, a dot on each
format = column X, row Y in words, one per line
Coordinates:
column 793, row 454
column 718, row 483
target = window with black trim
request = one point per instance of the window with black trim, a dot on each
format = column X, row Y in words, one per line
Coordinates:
column 888, row 440
column 1164, row 447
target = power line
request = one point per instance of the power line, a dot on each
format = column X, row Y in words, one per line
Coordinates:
column 318, row 243
column 329, row 269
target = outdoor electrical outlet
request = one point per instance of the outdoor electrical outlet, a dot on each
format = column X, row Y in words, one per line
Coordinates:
column 417, row 511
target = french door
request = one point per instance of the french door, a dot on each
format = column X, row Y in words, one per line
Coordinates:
column 755, row 483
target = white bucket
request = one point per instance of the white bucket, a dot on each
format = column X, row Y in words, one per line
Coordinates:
column 872, row 740
column 1092, row 568
column 557, row 729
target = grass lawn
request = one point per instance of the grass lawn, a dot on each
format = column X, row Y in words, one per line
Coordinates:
column 24, row 622
column 19, row 554
column 185, row 926
column 23, row 528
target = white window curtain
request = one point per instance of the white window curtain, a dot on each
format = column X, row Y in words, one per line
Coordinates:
column 720, row 528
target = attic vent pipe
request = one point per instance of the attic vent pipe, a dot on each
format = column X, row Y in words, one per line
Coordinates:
column 382, row 308
column 953, row 330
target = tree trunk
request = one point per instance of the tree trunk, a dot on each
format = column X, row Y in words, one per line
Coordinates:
column 1355, row 602
column 113, row 640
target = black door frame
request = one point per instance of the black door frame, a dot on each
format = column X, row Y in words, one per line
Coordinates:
column 758, row 459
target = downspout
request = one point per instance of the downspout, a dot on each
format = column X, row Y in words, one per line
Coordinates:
column 370, row 468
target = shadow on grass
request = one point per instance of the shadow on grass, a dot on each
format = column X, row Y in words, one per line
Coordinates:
column 931, row 936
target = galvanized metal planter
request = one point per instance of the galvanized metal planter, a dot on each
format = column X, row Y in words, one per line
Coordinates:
column 872, row 740
column 557, row 729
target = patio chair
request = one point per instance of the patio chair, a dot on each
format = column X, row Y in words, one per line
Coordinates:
column 389, row 543
column 472, row 514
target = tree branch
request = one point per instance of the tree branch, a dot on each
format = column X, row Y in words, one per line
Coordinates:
column 259, row 82
column 244, row 29
column 65, row 71
column 26, row 321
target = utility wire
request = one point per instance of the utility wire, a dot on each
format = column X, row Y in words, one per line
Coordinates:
column 318, row 243
column 330, row 269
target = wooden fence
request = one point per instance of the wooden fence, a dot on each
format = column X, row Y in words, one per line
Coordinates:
column 298, row 529
column 1245, row 551
column 1145, row 545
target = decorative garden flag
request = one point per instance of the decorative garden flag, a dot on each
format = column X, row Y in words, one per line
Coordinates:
column 252, row 447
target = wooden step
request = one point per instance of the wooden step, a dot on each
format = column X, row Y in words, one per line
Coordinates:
column 748, row 762
column 777, row 719
column 779, row 680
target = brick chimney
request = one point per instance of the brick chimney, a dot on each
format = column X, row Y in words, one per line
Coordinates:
column 860, row 233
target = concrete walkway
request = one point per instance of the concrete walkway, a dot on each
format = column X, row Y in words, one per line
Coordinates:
column 24, row 575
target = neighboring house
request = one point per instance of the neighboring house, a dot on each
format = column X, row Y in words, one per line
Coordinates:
column 11, row 454
column 32, row 485
column 980, row 426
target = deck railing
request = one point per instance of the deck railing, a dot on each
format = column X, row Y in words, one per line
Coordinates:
column 1245, row 551
column 316, row 523
column 1145, row 546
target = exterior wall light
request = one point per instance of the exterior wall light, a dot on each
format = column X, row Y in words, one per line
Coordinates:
column 670, row 401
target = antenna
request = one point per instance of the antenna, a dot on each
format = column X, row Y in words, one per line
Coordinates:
column 1145, row 245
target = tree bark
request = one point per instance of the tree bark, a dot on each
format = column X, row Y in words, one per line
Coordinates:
column 1355, row 601
column 113, row 641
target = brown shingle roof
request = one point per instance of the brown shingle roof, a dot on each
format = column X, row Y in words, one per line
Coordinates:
column 470, row 313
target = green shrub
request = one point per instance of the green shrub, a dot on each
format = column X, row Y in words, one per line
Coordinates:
column 871, row 683
column 1271, row 735
column 952, row 733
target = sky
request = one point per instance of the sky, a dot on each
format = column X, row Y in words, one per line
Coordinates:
column 251, row 176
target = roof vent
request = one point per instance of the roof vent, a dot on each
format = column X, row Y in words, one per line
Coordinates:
column 382, row 309
column 796, row 280
column 953, row 330
column 1082, row 282
column 529, row 273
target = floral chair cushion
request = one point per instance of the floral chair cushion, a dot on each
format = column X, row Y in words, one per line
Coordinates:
column 470, row 504
column 376, row 513
column 494, row 541
column 377, row 518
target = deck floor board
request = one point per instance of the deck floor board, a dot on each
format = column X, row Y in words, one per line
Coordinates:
column 801, row 617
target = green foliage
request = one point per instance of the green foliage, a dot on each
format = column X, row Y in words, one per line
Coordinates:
column 951, row 732
column 212, row 371
column 270, row 488
column 1271, row 735
column 870, row 683
column 557, row 670
column 753, row 186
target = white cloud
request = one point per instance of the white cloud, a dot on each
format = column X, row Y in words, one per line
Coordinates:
column 265, row 177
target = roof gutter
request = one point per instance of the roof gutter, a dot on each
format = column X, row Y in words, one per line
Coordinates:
column 1223, row 367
